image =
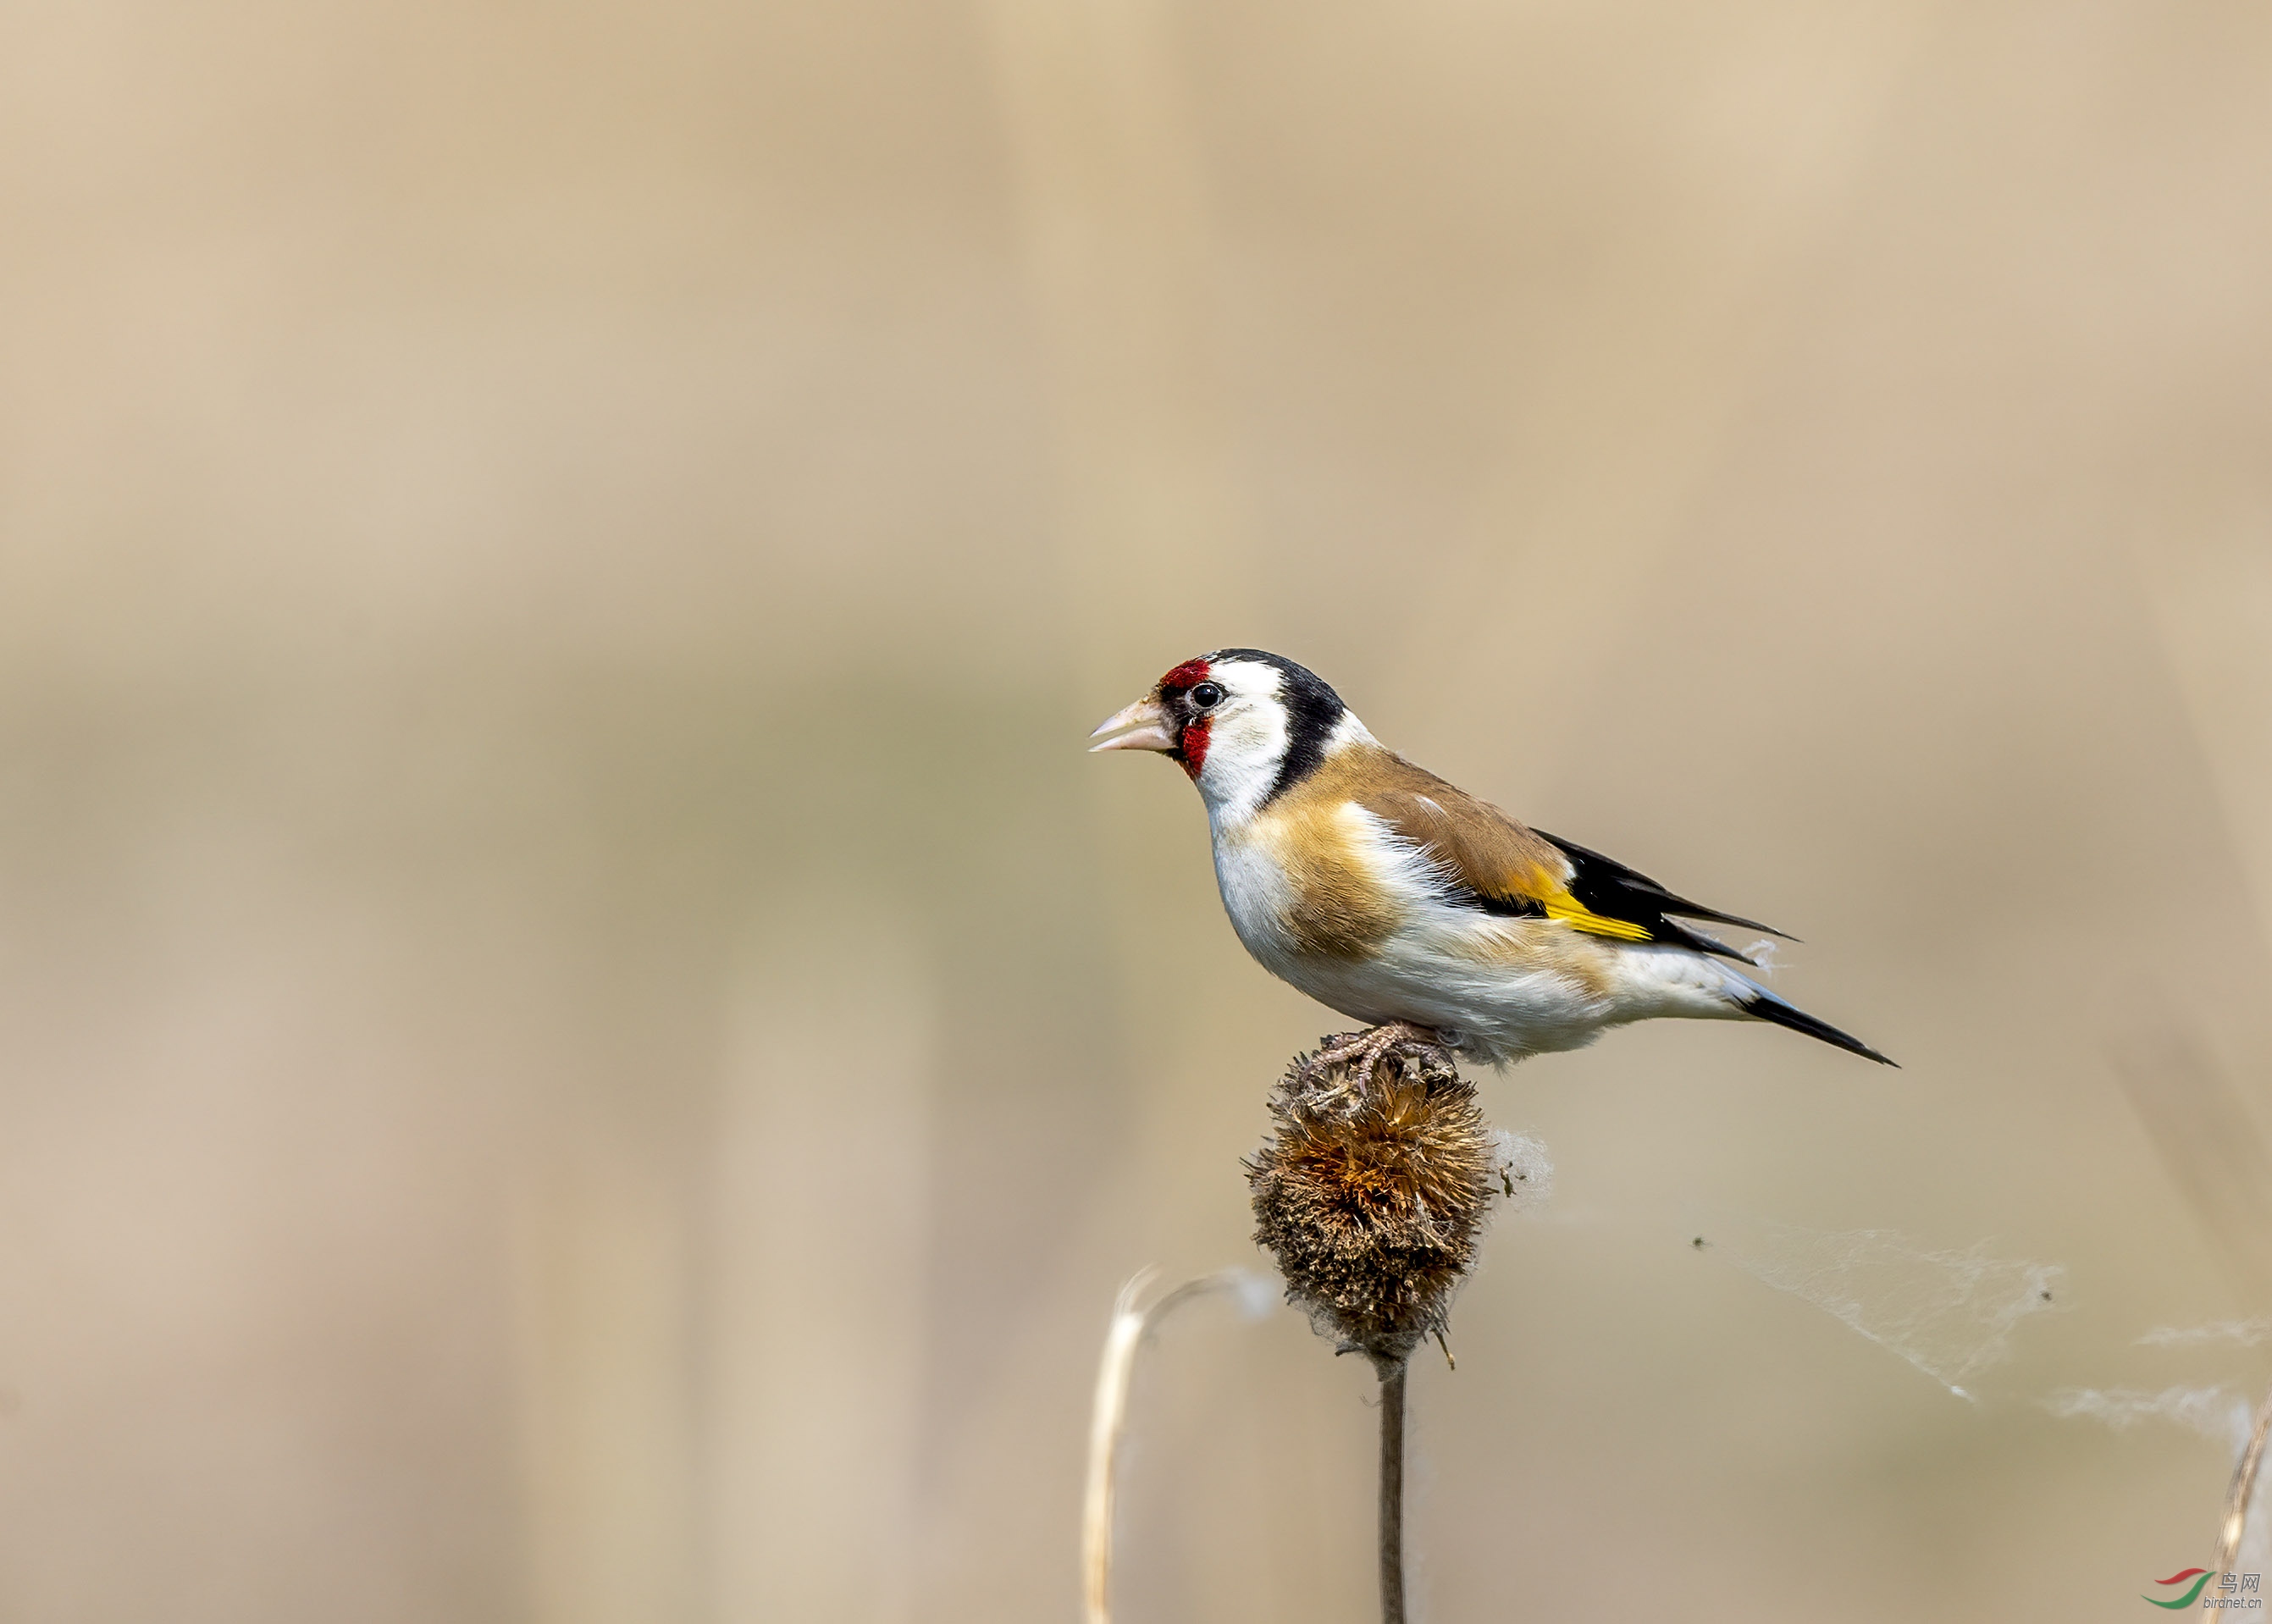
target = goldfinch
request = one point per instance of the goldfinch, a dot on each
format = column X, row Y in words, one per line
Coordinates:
column 1388, row 894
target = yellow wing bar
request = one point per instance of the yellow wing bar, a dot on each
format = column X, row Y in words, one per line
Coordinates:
column 1576, row 915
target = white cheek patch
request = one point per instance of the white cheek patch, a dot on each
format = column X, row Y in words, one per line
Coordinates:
column 1244, row 750
column 1252, row 736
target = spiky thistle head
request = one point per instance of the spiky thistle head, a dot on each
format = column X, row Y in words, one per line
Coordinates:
column 1375, row 1188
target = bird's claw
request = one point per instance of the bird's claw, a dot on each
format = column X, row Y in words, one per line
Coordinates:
column 1367, row 1048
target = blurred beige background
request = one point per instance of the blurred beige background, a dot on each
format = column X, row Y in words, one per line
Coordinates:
column 581, row 1043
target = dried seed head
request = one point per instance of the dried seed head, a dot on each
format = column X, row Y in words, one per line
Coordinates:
column 1375, row 1188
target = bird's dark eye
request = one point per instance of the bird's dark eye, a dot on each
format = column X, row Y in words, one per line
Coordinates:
column 1206, row 696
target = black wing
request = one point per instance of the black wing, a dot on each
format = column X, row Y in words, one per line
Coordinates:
column 1607, row 887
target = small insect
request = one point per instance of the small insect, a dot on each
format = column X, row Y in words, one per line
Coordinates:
column 1697, row 1243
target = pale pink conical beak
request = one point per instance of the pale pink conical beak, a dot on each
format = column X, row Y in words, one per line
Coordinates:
column 1141, row 727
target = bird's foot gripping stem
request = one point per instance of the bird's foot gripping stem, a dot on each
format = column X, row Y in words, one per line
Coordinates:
column 1374, row 1046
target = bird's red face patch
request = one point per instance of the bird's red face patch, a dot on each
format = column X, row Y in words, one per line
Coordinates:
column 1191, row 747
column 1192, row 741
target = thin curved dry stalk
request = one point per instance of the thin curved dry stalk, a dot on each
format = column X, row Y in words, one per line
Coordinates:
column 1108, row 1423
column 2243, row 1489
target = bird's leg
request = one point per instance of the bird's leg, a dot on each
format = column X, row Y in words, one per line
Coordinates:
column 1343, row 1066
column 1367, row 1048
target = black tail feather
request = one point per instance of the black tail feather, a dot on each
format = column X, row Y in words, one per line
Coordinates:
column 1767, row 1007
column 1697, row 911
column 1701, row 942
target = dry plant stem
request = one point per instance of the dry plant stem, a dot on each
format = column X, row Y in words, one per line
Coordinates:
column 1370, row 1196
column 1108, row 1424
column 1392, row 1490
column 2243, row 1486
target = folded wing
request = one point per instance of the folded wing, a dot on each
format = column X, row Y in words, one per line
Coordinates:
column 1505, row 867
